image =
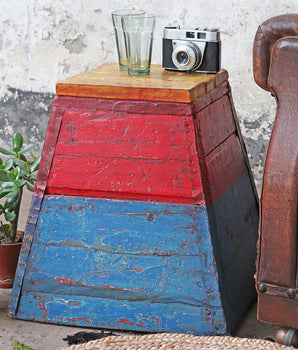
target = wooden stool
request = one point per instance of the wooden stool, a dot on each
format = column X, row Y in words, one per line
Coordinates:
column 144, row 215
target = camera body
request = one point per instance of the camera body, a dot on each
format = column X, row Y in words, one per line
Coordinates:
column 191, row 50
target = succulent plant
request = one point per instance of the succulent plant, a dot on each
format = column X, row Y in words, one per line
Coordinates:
column 16, row 171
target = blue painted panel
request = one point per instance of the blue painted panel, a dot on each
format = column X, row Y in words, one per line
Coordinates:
column 120, row 276
column 125, row 226
column 112, row 253
column 121, row 314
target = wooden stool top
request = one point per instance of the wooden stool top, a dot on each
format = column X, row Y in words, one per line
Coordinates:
column 108, row 81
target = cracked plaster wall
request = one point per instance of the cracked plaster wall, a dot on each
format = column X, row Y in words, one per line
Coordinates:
column 44, row 41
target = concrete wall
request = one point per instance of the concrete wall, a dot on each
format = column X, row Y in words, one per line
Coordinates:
column 44, row 41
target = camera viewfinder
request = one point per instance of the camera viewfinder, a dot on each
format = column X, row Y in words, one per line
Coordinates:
column 191, row 35
column 201, row 36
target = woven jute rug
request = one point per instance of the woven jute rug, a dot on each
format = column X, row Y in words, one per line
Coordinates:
column 176, row 342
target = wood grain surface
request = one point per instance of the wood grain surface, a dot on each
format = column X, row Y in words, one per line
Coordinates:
column 108, row 81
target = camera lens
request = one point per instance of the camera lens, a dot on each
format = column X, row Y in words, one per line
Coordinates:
column 182, row 57
column 186, row 56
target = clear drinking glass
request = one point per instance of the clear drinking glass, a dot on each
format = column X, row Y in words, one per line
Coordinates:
column 119, row 35
column 138, row 32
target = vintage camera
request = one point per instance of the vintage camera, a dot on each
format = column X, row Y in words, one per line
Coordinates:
column 192, row 50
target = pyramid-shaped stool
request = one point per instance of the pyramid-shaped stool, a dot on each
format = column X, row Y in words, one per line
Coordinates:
column 144, row 215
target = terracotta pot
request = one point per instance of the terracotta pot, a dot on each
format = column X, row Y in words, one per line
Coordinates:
column 9, row 255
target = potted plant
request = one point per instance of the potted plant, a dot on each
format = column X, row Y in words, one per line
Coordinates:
column 16, row 171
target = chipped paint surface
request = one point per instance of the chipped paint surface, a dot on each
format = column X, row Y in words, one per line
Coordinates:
column 130, row 261
column 173, row 287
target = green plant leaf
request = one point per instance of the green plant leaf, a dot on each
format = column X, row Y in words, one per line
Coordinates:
column 17, row 141
column 29, row 187
column 35, row 165
column 6, row 227
column 10, row 207
column 27, row 168
column 1, row 161
column 7, row 152
column 20, row 183
column 12, row 200
column 21, row 156
column 16, row 345
column 31, row 181
column 3, row 176
column 3, row 194
column 8, row 164
column 17, row 172
column 13, row 196
column 9, row 216
column 13, row 190
column 28, row 149
column 11, row 176
column 21, row 163
column 6, row 184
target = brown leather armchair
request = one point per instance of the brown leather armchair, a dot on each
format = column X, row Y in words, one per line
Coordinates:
column 276, row 70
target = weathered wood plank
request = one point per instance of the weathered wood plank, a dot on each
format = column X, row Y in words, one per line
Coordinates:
column 215, row 124
column 42, row 178
column 123, row 135
column 87, row 311
column 127, row 106
column 142, row 107
column 83, row 271
column 108, row 81
column 125, row 227
column 203, row 101
column 224, row 166
column 143, row 177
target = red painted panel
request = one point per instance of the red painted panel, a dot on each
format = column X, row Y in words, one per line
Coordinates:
column 126, row 106
column 122, row 136
column 224, row 166
column 48, row 149
column 215, row 124
column 123, row 175
column 120, row 153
